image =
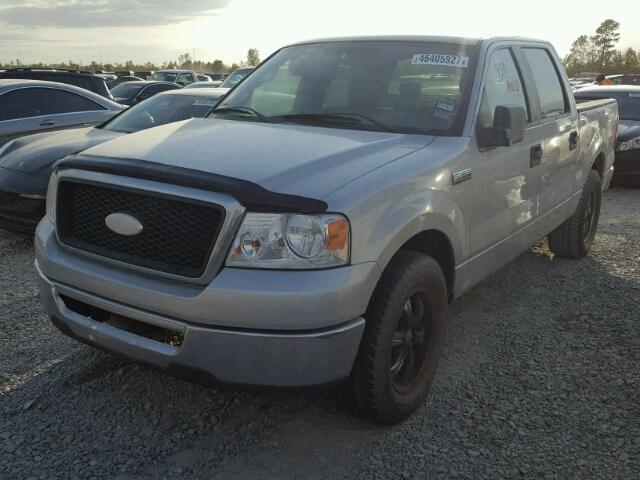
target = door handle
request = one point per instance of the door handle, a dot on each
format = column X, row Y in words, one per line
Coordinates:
column 536, row 156
column 47, row 123
column 573, row 140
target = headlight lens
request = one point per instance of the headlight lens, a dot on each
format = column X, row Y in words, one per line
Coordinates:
column 52, row 191
column 287, row 241
column 632, row 144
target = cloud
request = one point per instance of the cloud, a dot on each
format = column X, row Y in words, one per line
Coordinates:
column 107, row 13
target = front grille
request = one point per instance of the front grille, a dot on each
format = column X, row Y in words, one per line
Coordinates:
column 178, row 233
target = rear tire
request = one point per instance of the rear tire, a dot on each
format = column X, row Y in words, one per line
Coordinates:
column 403, row 338
column 573, row 239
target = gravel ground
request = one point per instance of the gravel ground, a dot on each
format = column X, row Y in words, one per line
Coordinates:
column 540, row 380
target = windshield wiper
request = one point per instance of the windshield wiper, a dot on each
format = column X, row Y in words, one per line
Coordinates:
column 243, row 110
column 344, row 118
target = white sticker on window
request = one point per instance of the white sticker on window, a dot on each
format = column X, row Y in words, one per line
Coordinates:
column 446, row 107
column 634, row 94
column 439, row 59
column 205, row 103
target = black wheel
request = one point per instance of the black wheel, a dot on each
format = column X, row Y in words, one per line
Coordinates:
column 403, row 338
column 573, row 239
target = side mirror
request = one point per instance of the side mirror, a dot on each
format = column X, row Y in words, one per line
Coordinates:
column 509, row 123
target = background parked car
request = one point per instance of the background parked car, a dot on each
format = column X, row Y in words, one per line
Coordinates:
column 215, row 76
column 82, row 79
column 203, row 78
column 236, row 77
column 130, row 93
column 144, row 75
column 25, row 163
column 124, row 79
column 181, row 77
column 212, row 84
column 627, row 164
column 625, row 79
column 31, row 106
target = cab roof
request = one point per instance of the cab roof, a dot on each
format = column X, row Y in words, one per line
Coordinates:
column 420, row 38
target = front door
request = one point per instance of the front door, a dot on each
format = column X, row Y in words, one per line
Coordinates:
column 505, row 186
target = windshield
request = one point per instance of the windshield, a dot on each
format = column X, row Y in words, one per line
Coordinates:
column 235, row 77
column 407, row 87
column 126, row 90
column 629, row 106
column 165, row 76
column 159, row 110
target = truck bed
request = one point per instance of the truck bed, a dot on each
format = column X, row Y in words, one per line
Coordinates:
column 585, row 105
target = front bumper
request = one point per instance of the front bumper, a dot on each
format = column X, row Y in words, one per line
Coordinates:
column 20, row 214
column 208, row 354
column 627, row 167
column 257, row 327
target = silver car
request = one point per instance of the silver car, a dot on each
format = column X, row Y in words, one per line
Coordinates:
column 32, row 106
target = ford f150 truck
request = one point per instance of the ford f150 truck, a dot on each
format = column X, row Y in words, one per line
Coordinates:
column 316, row 226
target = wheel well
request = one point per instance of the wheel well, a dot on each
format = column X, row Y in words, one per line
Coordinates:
column 598, row 165
column 437, row 245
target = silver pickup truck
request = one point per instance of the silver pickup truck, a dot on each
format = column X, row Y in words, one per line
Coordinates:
column 314, row 228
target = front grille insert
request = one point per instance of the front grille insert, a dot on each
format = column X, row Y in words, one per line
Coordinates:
column 178, row 233
column 127, row 324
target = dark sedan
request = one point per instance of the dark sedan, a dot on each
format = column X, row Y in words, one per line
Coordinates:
column 627, row 164
column 130, row 93
column 26, row 163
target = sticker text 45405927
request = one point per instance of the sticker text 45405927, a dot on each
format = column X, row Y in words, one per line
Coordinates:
column 439, row 59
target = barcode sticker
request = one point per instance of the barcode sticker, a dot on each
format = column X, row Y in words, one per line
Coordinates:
column 205, row 103
column 439, row 59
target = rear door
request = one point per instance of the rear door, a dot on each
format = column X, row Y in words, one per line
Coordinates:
column 24, row 111
column 71, row 110
column 505, row 184
column 559, row 123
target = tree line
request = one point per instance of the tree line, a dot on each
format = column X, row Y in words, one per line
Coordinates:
column 184, row 61
column 597, row 53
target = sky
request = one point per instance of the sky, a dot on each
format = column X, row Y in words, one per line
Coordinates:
column 118, row 30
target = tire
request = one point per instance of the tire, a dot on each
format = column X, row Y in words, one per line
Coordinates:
column 386, row 384
column 573, row 239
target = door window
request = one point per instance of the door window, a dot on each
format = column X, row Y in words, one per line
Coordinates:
column 67, row 102
column 545, row 76
column 503, row 86
column 24, row 103
column 184, row 79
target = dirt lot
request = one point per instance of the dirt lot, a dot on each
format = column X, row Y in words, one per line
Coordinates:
column 540, row 379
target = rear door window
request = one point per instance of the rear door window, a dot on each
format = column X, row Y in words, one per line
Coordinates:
column 552, row 97
column 25, row 103
column 67, row 102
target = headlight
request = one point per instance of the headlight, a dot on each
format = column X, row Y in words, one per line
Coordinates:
column 52, row 191
column 289, row 241
column 632, row 144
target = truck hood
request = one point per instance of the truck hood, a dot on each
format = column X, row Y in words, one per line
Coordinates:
column 285, row 158
column 36, row 152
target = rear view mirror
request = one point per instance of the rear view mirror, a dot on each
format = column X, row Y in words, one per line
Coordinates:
column 509, row 124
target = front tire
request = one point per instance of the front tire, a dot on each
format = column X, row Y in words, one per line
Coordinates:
column 403, row 339
column 574, row 238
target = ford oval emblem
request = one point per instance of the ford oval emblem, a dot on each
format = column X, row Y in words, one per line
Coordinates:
column 123, row 224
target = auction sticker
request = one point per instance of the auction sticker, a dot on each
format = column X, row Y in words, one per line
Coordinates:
column 439, row 59
column 447, row 107
column 204, row 103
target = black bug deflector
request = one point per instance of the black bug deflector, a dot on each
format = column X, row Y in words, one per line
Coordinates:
column 251, row 195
